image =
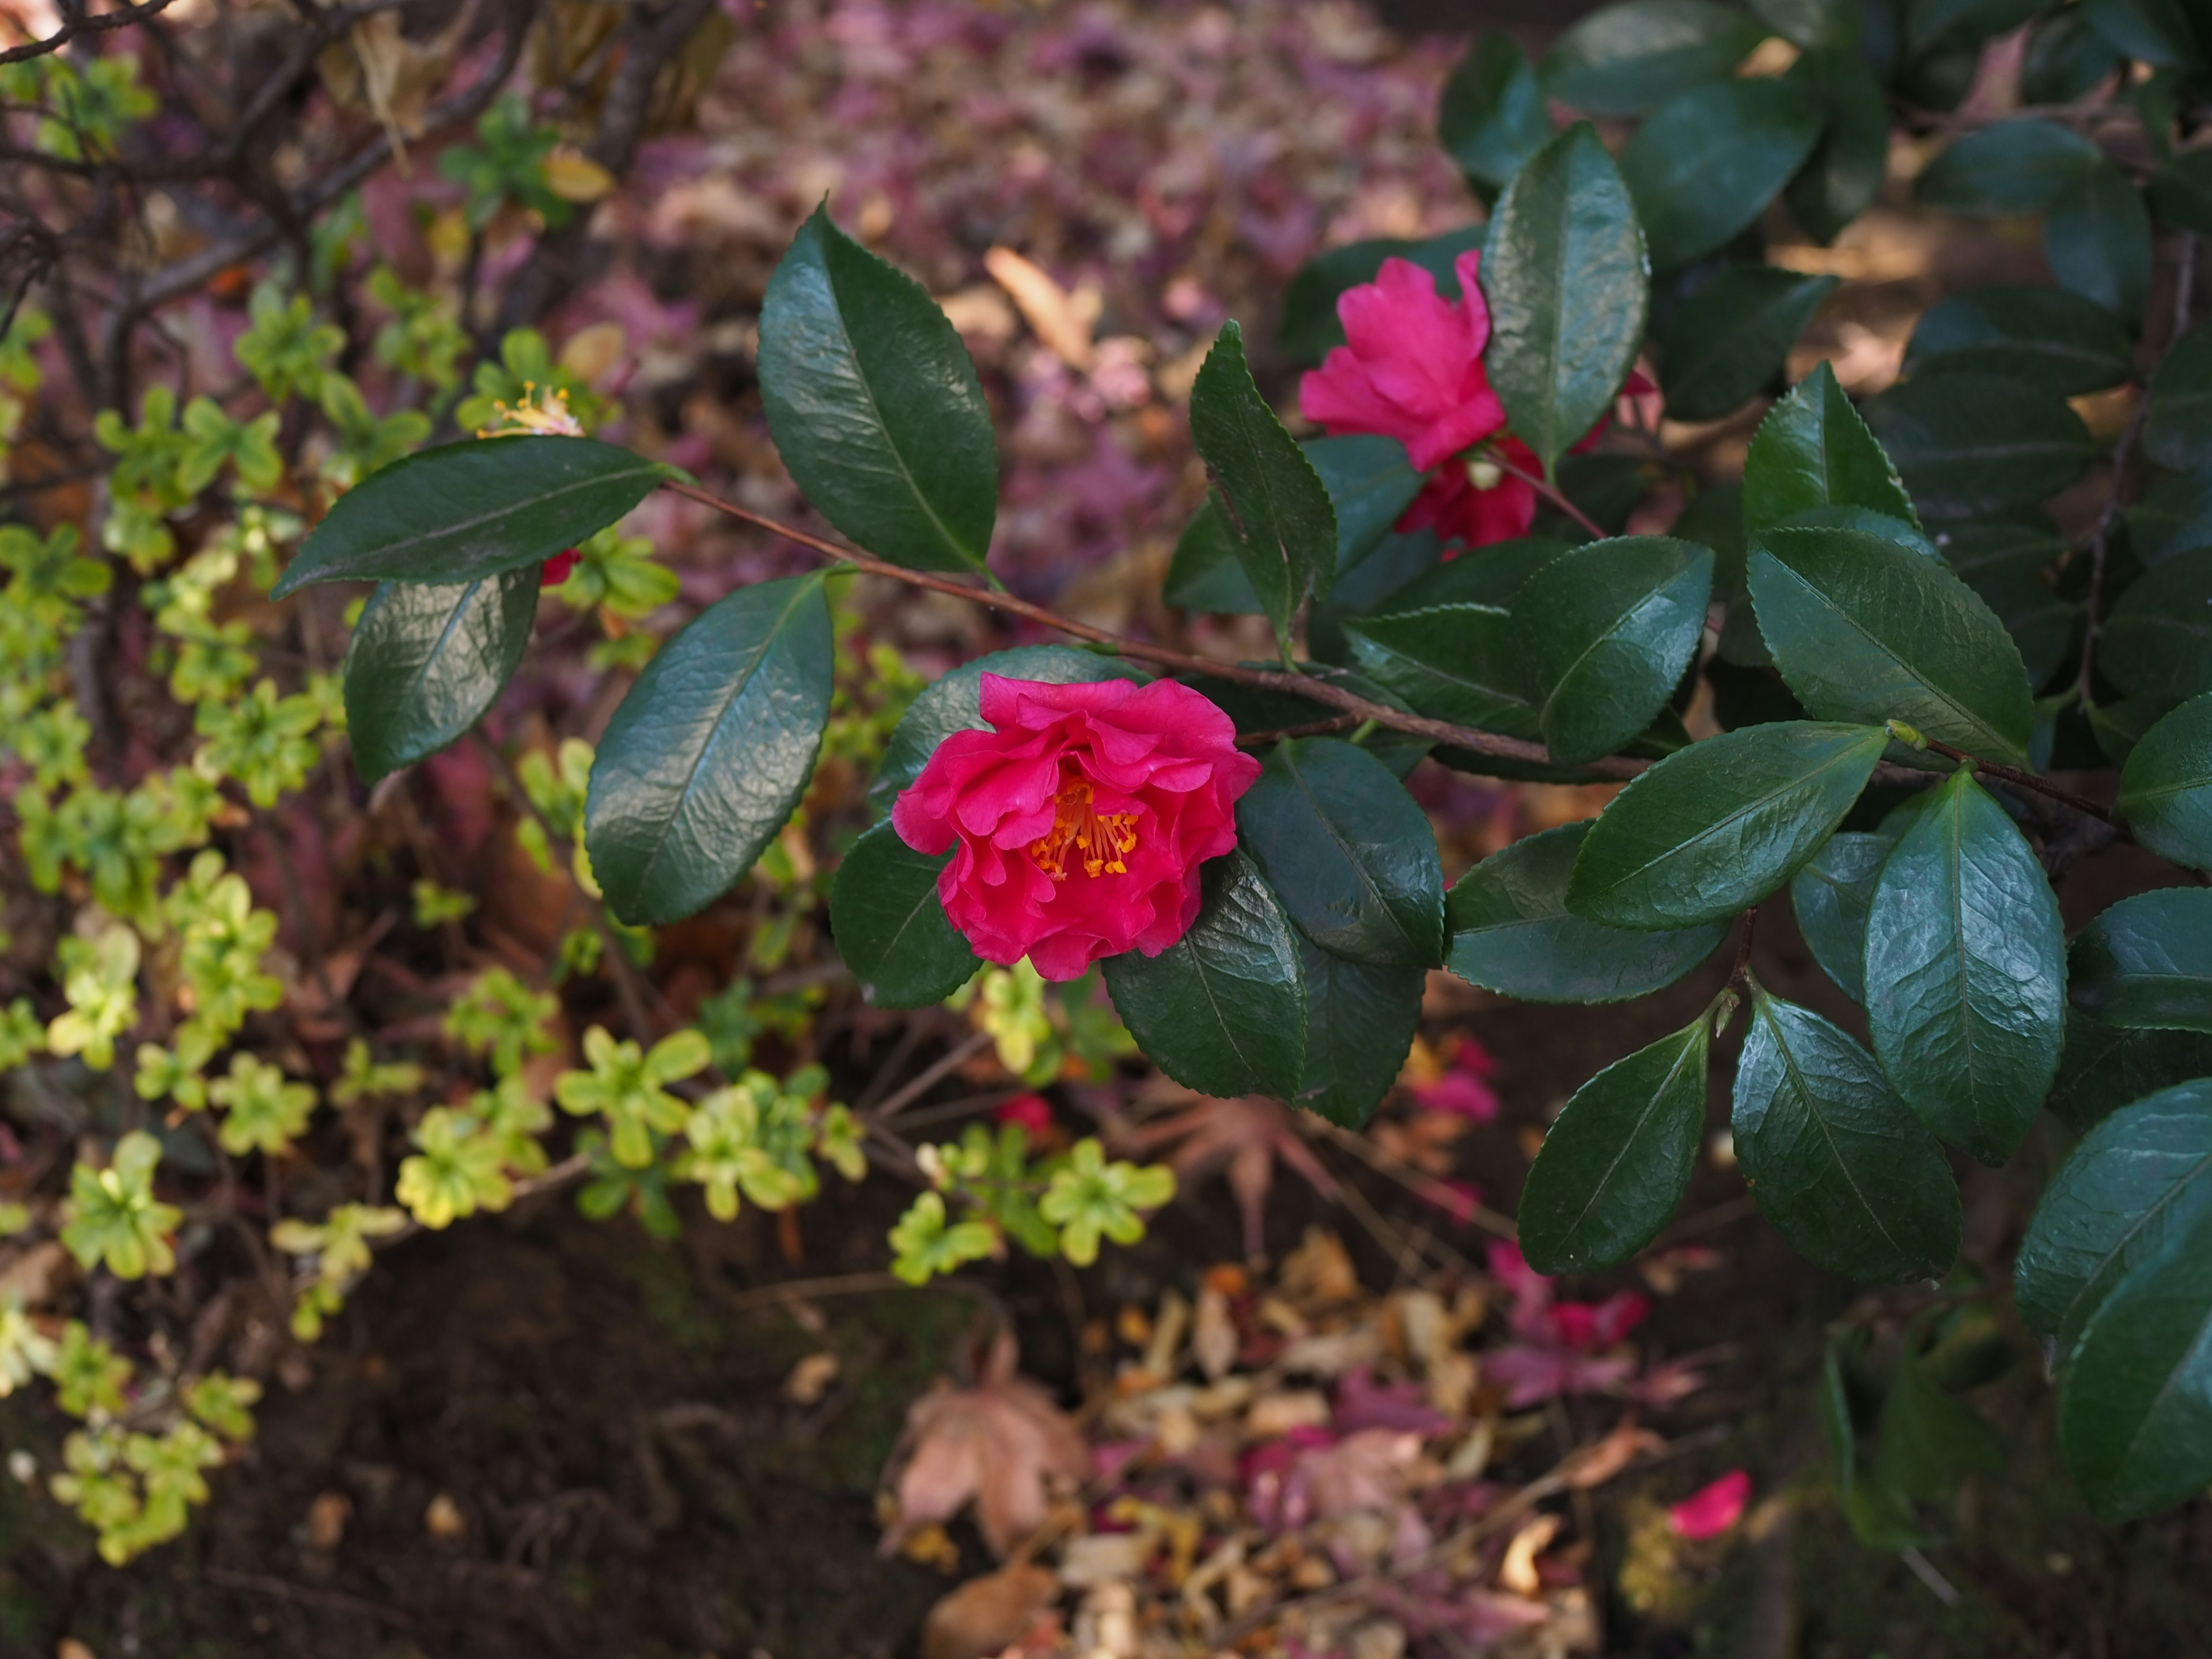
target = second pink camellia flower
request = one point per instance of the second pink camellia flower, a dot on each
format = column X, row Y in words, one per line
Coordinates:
column 1078, row 822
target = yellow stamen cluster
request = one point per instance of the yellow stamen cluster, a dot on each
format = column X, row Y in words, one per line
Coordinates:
column 545, row 414
column 1102, row 839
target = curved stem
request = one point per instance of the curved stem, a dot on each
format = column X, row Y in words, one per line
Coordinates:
column 1314, row 690
column 1551, row 494
column 2028, row 781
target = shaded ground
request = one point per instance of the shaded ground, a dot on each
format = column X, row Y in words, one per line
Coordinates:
column 597, row 1424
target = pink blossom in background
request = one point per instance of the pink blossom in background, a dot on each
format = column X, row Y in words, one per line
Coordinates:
column 1464, row 1088
column 1559, row 1347
column 1078, row 822
column 1711, row 1510
column 1033, row 1112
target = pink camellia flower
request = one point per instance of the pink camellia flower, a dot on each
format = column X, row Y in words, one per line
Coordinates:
column 1711, row 1510
column 1464, row 1088
column 1411, row 366
column 1080, row 820
column 1033, row 1112
column 558, row 567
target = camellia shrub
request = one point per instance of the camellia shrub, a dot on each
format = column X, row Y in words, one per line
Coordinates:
column 1850, row 676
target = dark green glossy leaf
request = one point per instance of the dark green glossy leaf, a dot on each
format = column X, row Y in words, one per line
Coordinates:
column 1625, row 59
column 874, row 405
column 1204, row 573
column 705, row 759
column 950, row 703
column 2043, row 626
column 1729, row 338
column 1223, row 1010
column 2097, row 240
column 1360, row 1020
column 2119, row 726
column 1351, row 856
column 1310, row 326
column 1370, row 485
column 1965, row 972
column 1456, row 663
column 1865, row 629
column 1813, row 449
column 1967, row 443
column 1279, row 511
column 1485, row 578
column 465, row 511
column 1837, row 1162
column 2104, row 1067
column 1931, row 25
column 1605, row 632
column 2015, row 166
column 2134, row 1405
column 1492, row 117
column 1841, row 178
column 2166, row 788
column 1567, row 284
column 2178, row 434
column 2135, row 1178
column 2156, row 31
column 2175, row 517
column 1928, row 1439
column 2067, row 59
column 426, row 661
column 2146, row 963
column 1811, row 24
column 1511, row 932
column 890, row 927
column 2181, row 194
column 2158, row 640
column 1720, row 824
column 2046, row 336
column 1616, row 1161
column 1708, row 161
column 1715, row 517
column 1830, row 896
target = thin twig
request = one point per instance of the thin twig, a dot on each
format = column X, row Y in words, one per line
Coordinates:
column 1551, row 494
column 947, row 1063
column 2028, row 781
column 1314, row 690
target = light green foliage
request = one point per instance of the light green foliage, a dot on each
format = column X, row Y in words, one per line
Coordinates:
column 435, row 906
column 513, row 1120
column 285, row 349
column 424, row 337
column 340, row 1246
column 213, row 658
column 924, row 1243
column 733, row 1019
column 614, row 1186
column 992, row 1173
column 556, row 787
column 222, row 940
column 52, row 743
column 506, row 164
column 89, row 103
column 89, row 1376
column 163, row 1074
column 755, row 1137
column 625, row 1087
column 48, row 577
column 501, row 1016
column 19, row 375
column 96, row 1484
column 264, row 1112
column 216, row 440
column 224, row 1403
column 1092, row 1197
column 1012, row 1009
column 136, row 1490
column 618, row 572
column 456, row 1171
column 99, row 977
column 362, row 441
column 363, row 1078
column 117, row 841
column 23, row 1033
column 526, row 374
column 26, row 1352
column 147, row 456
column 265, row 741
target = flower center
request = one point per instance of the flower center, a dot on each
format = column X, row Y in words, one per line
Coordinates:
column 1100, row 840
